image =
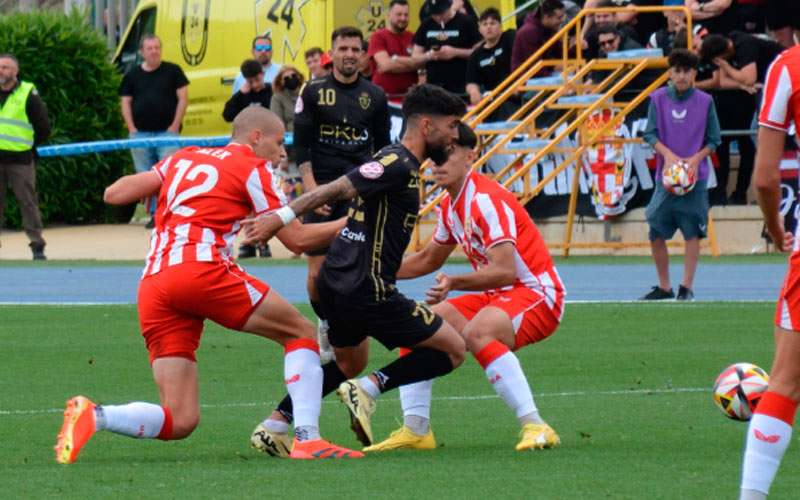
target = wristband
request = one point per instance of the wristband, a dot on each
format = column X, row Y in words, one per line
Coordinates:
column 286, row 214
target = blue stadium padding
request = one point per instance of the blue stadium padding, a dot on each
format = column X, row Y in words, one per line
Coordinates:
column 79, row 148
column 496, row 125
column 635, row 54
column 545, row 80
column 526, row 145
column 580, row 99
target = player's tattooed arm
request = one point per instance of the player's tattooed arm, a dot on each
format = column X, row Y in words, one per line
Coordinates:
column 264, row 227
column 307, row 175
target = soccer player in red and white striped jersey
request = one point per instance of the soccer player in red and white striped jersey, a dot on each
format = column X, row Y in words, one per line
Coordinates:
column 770, row 429
column 519, row 299
column 189, row 276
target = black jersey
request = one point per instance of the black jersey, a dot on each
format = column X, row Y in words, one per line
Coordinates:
column 363, row 260
column 337, row 126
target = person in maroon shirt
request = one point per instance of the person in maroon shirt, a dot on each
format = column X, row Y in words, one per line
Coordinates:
column 390, row 48
column 540, row 25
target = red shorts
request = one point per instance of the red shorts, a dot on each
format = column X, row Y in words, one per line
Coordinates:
column 787, row 314
column 174, row 303
column 532, row 319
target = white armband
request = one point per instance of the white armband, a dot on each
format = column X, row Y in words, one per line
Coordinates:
column 286, row 214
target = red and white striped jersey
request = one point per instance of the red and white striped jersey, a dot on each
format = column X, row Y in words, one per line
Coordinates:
column 781, row 103
column 205, row 194
column 485, row 214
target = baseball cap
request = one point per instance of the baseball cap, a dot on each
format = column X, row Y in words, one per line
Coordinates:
column 325, row 60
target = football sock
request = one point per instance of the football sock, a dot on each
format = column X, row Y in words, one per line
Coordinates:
column 139, row 420
column 416, row 402
column 421, row 364
column 505, row 374
column 768, row 436
column 332, row 377
column 303, row 377
column 369, row 387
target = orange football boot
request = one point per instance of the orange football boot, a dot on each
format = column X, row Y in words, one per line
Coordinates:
column 320, row 448
column 77, row 429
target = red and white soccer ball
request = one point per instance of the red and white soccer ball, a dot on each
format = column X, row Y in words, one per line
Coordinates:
column 739, row 388
column 677, row 178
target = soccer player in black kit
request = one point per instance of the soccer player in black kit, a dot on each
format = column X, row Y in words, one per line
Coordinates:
column 340, row 120
column 357, row 281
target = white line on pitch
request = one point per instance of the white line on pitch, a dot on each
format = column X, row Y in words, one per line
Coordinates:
column 675, row 390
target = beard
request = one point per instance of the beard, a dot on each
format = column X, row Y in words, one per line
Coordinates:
column 437, row 153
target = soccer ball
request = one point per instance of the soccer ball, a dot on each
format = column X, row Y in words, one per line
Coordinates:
column 677, row 178
column 739, row 388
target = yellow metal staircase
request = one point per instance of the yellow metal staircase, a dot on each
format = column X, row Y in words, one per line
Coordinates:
column 568, row 92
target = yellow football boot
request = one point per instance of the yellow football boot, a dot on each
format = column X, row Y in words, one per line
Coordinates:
column 405, row 439
column 537, row 437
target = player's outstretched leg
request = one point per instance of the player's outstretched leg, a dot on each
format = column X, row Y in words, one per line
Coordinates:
column 489, row 335
column 277, row 319
column 436, row 356
column 175, row 418
column 416, row 433
column 770, row 429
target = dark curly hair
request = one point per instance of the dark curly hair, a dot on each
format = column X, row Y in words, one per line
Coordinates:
column 429, row 99
column 682, row 59
column 713, row 46
column 466, row 137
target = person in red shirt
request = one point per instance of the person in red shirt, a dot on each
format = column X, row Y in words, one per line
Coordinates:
column 770, row 431
column 390, row 48
column 516, row 299
column 190, row 275
column 539, row 26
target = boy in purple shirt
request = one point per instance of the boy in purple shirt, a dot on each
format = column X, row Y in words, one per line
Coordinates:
column 682, row 125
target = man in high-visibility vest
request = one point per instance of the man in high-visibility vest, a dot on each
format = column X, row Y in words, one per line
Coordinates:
column 23, row 125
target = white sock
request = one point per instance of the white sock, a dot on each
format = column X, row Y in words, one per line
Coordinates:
column 506, row 376
column 303, row 376
column 416, row 402
column 139, row 420
column 369, row 387
column 278, row 426
column 767, row 440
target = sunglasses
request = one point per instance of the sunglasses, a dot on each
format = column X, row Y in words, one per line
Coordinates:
column 263, row 47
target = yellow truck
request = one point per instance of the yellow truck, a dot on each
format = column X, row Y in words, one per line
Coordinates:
column 209, row 39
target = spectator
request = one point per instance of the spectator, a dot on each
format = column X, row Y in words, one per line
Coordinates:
column 609, row 39
column 153, row 98
column 682, row 126
column 741, row 62
column 262, row 52
column 286, row 88
column 540, row 25
column 391, row 48
column 254, row 92
column 313, row 57
column 594, row 21
column 664, row 38
column 446, row 39
column 490, row 62
column 642, row 23
column 783, row 19
column 718, row 16
column 24, row 124
column 366, row 66
column 460, row 6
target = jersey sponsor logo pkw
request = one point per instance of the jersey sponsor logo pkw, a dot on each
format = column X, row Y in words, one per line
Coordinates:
column 371, row 170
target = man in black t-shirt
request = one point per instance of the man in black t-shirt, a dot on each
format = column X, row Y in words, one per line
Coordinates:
column 742, row 59
column 490, row 62
column 255, row 93
column 153, row 98
column 446, row 39
column 357, row 282
column 340, row 120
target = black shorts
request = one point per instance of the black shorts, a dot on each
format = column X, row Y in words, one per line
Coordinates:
column 783, row 14
column 338, row 210
column 396, row 322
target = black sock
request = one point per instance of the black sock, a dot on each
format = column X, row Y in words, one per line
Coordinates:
column 421, row 364
column 332, row 376
column 317, row 310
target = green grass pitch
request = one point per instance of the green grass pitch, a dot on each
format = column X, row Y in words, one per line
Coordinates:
column 627, row 386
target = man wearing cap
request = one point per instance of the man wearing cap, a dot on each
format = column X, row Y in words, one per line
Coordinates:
column 446, row 40
column 262, row 52
column 23, row 125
